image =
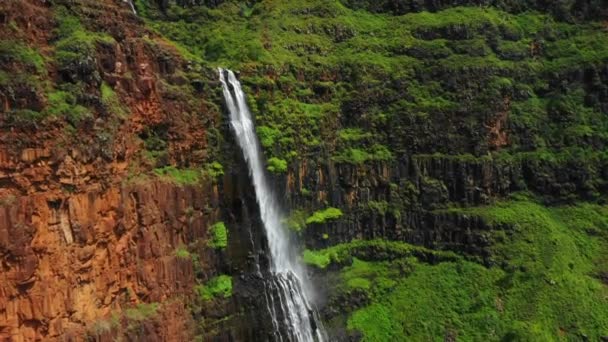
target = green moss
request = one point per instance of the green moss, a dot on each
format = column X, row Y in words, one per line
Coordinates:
column 379, row 207
column 276, row 165
column 17, row 52
column 75, row 44
column 26, row 116
column 64, row 104
column 431, row 301
column 217, row 287
column 111, row 101
column 353, row 134
column 219, row 236
column 179, row 176
column 322, row 216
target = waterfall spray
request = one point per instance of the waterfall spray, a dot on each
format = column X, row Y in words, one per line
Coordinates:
column 293, row 317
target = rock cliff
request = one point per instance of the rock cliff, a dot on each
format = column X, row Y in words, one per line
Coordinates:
column 90, row 238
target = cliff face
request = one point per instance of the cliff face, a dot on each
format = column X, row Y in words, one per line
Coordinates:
column 89, row 238
column 73, row 262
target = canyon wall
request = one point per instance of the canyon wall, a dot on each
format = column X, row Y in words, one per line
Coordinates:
column 91, row 240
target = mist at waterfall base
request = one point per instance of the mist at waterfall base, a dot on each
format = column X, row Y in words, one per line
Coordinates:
column 286, row 295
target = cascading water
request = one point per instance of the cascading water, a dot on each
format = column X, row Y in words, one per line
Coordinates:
column 293, row 318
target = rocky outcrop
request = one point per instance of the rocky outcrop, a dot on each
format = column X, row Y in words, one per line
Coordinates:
column 70, row 262
column 403, row 200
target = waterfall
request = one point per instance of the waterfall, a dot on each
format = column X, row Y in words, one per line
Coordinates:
column 293, row 317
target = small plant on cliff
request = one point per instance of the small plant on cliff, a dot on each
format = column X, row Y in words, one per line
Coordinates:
column 111, row 101
column 314, row 258
column 182, row 253
column 220, row 286
column 179, row 176
column 215, row 170
column 276, row 165
column 322, row 216
column 219, row 236
column 19, row 53
column 359, row 156
column 64, row 104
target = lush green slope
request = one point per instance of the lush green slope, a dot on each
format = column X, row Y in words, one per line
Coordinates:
column 543, row 284
column 317, row 66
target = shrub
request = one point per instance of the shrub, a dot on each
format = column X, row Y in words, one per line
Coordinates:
column 276, row 165
column 268, row 136
column 215, row 170
column 325, row 215
column 219, row 236
column 220, row 286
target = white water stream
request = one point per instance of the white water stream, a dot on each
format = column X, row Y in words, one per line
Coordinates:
column 288, row 304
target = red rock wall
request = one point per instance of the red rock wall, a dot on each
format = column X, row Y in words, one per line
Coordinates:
column 69, row 262
column 87, row 231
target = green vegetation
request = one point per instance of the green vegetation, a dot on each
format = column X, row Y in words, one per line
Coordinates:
column 429, row 302
column 547, row 284
column 179, row 176
column 358, row 156
column 111, row 101
column 322, row 216
column 276, row 165
column 75, row 45
column 219, row 236
column 297, row 220
column 368, row 87
column 217, row 287
column 64, row 104
column 370, row 249
column 17, row 52
column 215, row 170
column 182, row 253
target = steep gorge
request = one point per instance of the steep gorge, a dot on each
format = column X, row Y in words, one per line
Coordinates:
column 443, row 163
